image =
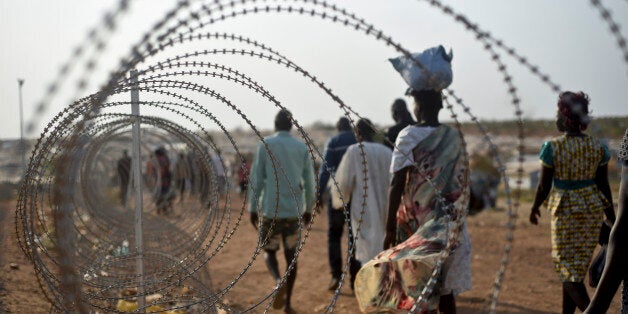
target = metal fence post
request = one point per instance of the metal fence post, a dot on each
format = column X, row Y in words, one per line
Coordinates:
column 137, row 185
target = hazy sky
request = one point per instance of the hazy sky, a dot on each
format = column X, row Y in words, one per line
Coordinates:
column 565, row 38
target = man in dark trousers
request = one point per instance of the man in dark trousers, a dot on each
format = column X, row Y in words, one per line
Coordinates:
column 124, row 169
column 334, row 150
column 402, row 118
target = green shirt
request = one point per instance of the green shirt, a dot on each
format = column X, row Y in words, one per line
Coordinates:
column 290, row 176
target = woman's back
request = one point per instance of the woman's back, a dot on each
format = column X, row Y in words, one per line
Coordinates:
column 574, row 158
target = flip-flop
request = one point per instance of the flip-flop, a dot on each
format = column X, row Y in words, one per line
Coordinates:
column 280, row 298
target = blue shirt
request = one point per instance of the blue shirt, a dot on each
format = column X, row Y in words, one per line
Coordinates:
column 286, row 171
column 334, row 150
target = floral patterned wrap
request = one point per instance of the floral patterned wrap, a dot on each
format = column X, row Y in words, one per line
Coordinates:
column 575, row 204
column 394, row 279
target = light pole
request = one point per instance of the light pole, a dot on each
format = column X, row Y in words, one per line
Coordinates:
column 20, row 83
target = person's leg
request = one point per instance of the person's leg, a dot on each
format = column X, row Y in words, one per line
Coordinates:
column 123, row 190
column 291, row 238
column 164, row 198
column 181, row 184
column 271, row 239
column 569, row 306
column 191, row 186
column 578, row 293
column 447, row 304
column 270, row 258
column 354, row 268
column 203, row 187
column 222, row 185
column 291, row 278
column 334, row 234
column 354, row 264
column 270, row 243
column 160, row 203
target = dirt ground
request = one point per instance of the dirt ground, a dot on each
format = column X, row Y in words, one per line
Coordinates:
column 530, row 285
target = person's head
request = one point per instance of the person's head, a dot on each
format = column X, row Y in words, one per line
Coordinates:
column 161, row 151
column 283, row 120
column 400, row 111
column 427, row 104
column 125, row 153
column 573, row 112
column 343, row 124
column 364, row 130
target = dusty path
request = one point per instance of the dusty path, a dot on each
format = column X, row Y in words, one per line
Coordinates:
column 531, row 285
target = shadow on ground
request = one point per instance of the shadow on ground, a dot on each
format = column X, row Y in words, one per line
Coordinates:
column 502, row 307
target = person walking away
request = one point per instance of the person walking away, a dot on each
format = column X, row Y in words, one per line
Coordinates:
column 182, row 174
column 191, row 160
column 165, row 180
column 402, row 118
column 124, row 170
column 285, row 197
column 219, row 171
column 575, row 164
column 243, row 175
column 334, row 150
column 616, row 252
column 428, row 195
column 362, row 187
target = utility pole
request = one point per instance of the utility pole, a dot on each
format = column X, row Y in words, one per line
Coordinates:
column 137, row 185
column 20, row 83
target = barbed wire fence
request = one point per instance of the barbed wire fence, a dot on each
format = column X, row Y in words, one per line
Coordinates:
column 82, row 244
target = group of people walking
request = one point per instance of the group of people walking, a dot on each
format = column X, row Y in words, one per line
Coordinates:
column 168, row 180
column 400, row 216
column 405, row 202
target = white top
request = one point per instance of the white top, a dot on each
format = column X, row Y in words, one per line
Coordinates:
column 406, row 141
column 351, row 186
column 218, row 166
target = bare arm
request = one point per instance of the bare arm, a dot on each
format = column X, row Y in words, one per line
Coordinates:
column 616, row 256
column 542, row 191
column 256, row 180
column 397, row 185
column 601, row 180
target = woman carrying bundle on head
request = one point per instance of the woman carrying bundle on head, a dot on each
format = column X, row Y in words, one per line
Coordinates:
column 576, row 165
column 427, row 203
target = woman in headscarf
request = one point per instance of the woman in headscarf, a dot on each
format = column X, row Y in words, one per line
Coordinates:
column 576, row 165
column 427, row 200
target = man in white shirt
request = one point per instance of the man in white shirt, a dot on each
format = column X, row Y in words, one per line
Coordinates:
column 363, row 178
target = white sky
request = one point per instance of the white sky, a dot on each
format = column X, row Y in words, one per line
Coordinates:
column 565, row 38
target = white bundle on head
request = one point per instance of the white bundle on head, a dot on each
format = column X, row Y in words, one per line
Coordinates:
column 434, row 73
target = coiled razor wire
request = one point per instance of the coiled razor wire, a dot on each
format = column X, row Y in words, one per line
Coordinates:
column 76, row 236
